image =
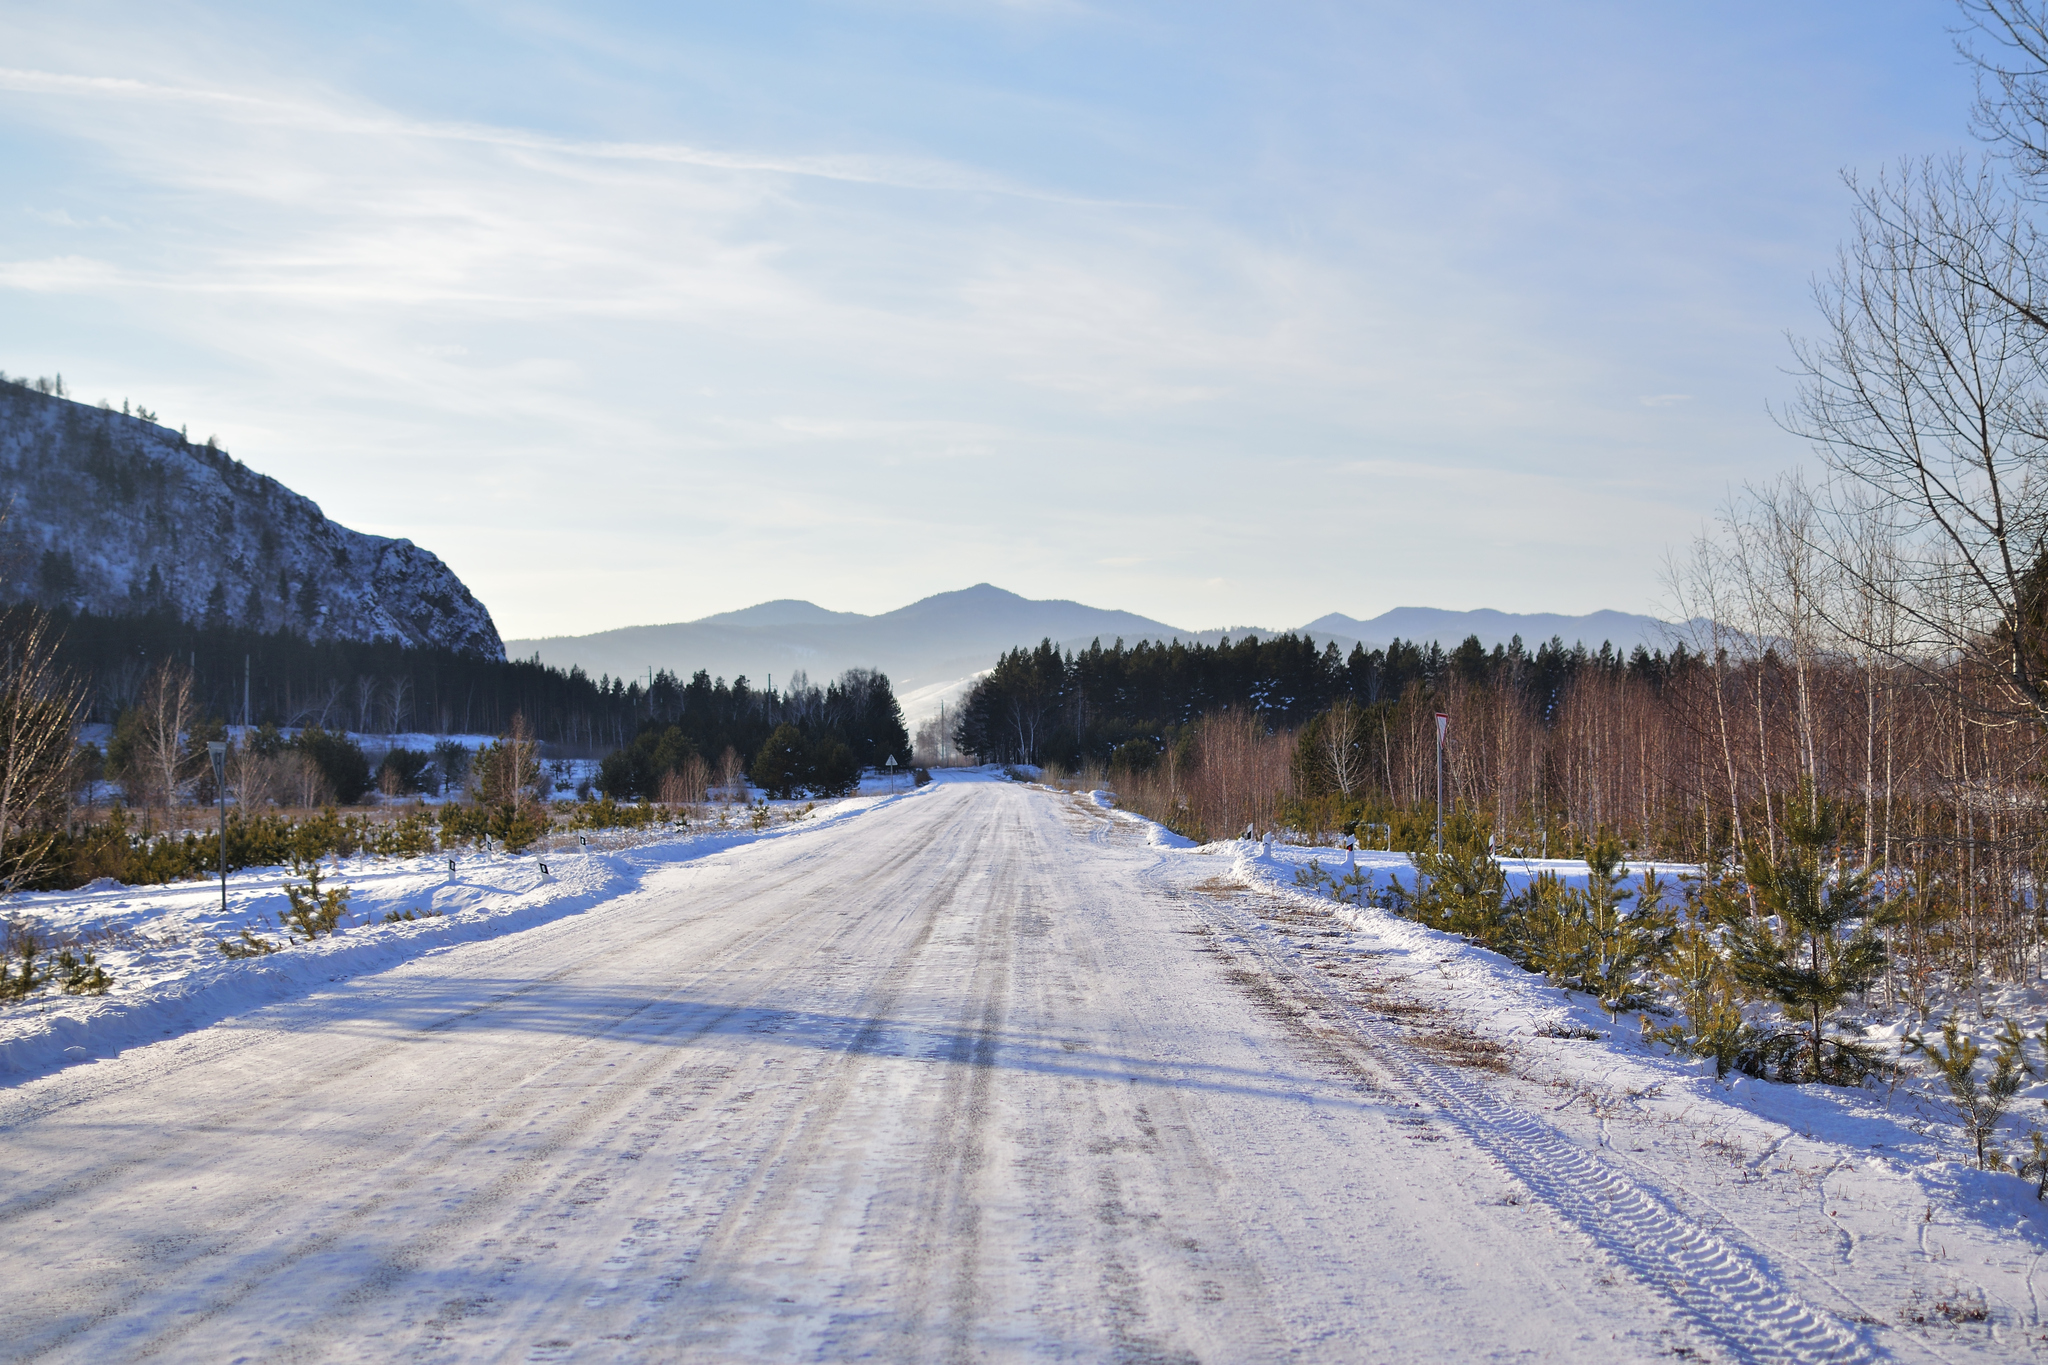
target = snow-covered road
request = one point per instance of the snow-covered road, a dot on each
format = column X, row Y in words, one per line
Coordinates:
column 980, row 1075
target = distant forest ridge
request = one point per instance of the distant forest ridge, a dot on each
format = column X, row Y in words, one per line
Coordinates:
column 378, row 687
column 387, row 688
column 1127, row 703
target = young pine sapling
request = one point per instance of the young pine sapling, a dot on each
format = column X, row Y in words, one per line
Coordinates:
column 1980, row 1107
column 82, row 976
column 313, row 911
column 1816, row 942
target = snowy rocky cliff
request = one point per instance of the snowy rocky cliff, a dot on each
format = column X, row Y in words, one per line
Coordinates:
column 114, row 514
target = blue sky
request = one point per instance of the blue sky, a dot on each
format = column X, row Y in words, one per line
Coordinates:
column 1221, row 314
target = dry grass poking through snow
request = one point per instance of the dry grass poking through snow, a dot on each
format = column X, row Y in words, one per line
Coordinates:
column 1317, row 943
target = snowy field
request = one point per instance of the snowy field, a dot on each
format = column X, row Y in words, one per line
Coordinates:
column 977, row 1072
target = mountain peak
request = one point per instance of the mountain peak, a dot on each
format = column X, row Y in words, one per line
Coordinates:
column 783, row 611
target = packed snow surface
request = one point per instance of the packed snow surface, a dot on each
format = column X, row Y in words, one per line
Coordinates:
column 980, row 1071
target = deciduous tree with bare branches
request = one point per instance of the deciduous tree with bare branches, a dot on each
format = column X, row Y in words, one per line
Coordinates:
column 39, row 711
column 162, row 763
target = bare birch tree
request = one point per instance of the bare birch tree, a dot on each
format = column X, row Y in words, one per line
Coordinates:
column 2008, row 46
column 1702, row 588
column 1343, row 746
column 303, row 781
column 168, row 715
column 254, row 779
column 397, row 703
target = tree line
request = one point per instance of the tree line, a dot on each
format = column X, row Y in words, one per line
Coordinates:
column 283, row 679
column 1129, row 704
column 805, row 739
column 372, row 687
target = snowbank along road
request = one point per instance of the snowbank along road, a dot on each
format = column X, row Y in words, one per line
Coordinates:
column 984, row 1074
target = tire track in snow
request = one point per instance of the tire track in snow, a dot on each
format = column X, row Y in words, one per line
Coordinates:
column 1722, row 1287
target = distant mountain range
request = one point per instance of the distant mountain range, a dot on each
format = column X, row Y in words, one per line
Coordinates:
column 114, row 514
column 933, row 648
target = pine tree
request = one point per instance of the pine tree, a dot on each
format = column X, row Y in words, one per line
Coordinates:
column 314, row 910
column 783, row 766
column 1557, row 939
column 1698, row 973
column 83, row 976
column 1823, row 947
column 1979, row 1107
column 1462, row 889
column 21, row 945
column 1627, row 944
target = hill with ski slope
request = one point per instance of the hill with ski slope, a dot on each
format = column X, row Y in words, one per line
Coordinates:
column 114, row 514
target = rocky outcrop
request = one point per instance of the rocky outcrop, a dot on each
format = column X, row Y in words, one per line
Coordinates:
column 113, row 514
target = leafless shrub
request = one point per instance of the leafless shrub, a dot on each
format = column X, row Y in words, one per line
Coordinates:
column 302, row 781
column 732, row 775
column 685, row 786
column 255, row 780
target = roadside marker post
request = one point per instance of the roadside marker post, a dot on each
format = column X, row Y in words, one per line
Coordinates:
column 1443, row 723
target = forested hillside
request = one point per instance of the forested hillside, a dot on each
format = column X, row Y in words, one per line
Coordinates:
column 110, row 513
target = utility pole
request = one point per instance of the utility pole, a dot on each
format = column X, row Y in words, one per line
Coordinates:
column 1442, row 723
column 217, row 750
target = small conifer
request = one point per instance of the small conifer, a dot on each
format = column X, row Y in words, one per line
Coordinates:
column 1979, row 1107
column 82, row 976
column 249, row 946
column 313, row 911
column 1816, row 943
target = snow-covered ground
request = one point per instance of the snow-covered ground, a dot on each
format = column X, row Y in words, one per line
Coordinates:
column 161, row 943
column 1865, row 1202
column 981, row 1072
column 1979, row 1012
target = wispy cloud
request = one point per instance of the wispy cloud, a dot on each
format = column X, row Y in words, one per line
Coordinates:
column 60, row 274
column 864, row 169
